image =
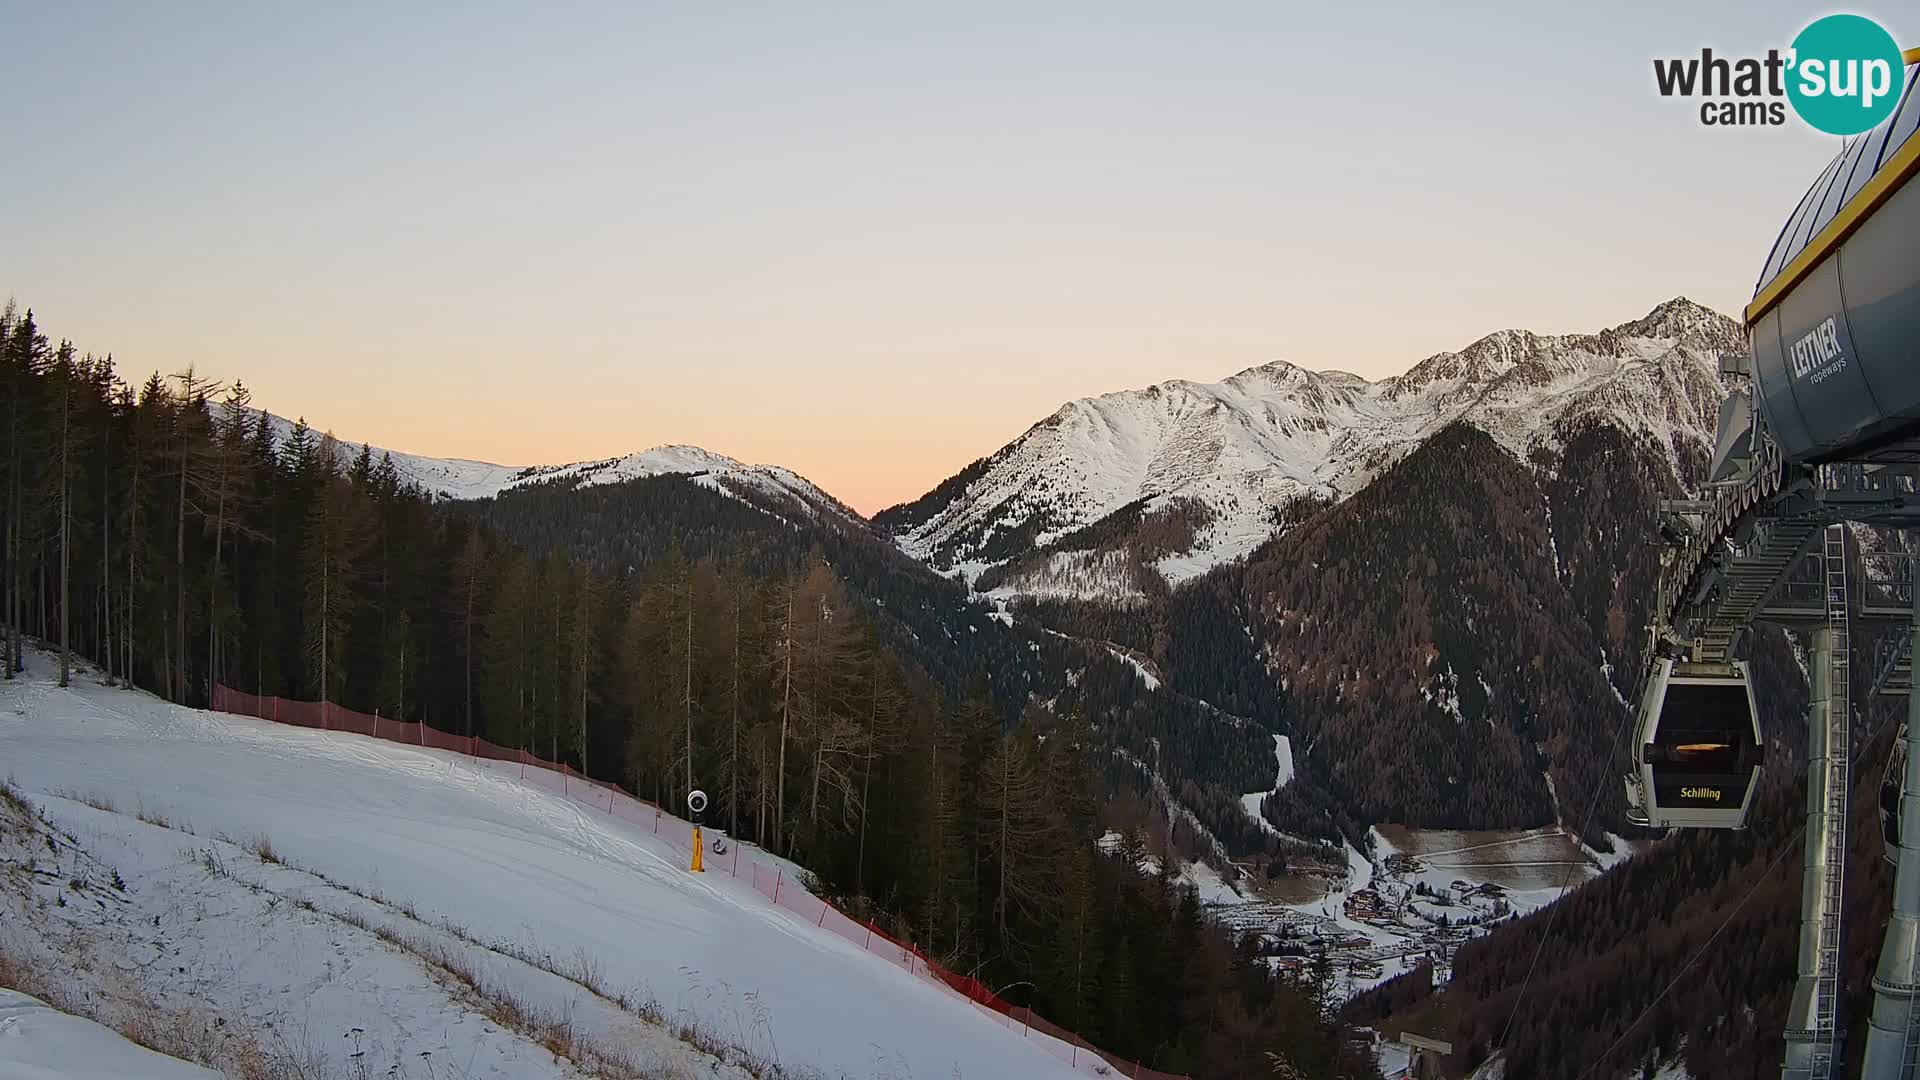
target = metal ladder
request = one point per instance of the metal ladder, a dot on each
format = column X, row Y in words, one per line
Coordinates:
column 1826, row 1049
column 1893, row 664
column 1750, row 578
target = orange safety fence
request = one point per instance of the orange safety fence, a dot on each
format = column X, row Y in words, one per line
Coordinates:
column 771, row 881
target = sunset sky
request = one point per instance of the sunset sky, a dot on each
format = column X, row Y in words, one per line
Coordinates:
column 871, row 242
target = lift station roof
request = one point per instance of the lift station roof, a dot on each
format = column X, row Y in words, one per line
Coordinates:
column 1872, row 154
column 1835, row 320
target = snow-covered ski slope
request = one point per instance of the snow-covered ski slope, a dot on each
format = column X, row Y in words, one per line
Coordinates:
column 467, row 844
column 39, row 1042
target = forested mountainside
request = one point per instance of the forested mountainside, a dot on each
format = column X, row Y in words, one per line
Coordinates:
column 167, row 533
column 1650, row 926
column 1458, row 643
column 614, row 527
column 1204, row 757
column 1454, row 564
column 1451, row 646
column 1435, row 669
column 1685, row 953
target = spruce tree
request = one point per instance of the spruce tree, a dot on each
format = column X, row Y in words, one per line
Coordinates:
column 585, row 592
column 507, row 680
column 65, row 375
column 1019, row 836
column 337, row 536
column 191, row 435
column 467, row 594
column 361, row 474
column 27, row 355
column 391, row 698
column 224, row 490
column 884, row 736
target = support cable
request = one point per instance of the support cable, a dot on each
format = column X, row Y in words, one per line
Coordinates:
column 1765, row 875
column 1566, row 880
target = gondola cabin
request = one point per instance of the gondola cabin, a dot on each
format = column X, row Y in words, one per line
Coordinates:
column 1697, row 748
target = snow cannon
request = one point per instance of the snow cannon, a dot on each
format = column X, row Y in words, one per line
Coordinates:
column 697, row 806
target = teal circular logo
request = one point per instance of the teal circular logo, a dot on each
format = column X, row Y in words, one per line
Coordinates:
column 1845, row 74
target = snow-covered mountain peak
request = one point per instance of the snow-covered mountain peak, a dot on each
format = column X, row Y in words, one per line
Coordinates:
column 1207, row 470
column 1280, row 373
column 1481, row 362
column 772, row 488
column 680, row 457
column 1680, row 319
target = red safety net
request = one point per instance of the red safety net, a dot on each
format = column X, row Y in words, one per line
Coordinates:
column 771, row 880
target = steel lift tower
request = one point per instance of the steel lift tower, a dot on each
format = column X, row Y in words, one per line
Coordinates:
column 1822, row 429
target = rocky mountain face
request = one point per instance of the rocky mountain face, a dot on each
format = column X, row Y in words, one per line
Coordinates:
column 1115, row 498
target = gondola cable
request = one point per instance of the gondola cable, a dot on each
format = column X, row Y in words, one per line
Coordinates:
column 1724, row 923
column 1553, row 913
column 1764, row 877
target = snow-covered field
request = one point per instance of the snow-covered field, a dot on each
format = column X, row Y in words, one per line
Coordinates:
column 1530, row 867
column 445, row 858
column 1533, row 866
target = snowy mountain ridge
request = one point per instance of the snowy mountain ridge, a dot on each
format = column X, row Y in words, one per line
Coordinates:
column 1214, row 468
column 771, row 487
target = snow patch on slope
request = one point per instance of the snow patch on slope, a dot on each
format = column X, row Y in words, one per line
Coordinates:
column 39, row 1042
column 1283, row 758
column 1068, row 575
column 1204, row 880
column 1147, row 678
column 1359, row 870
